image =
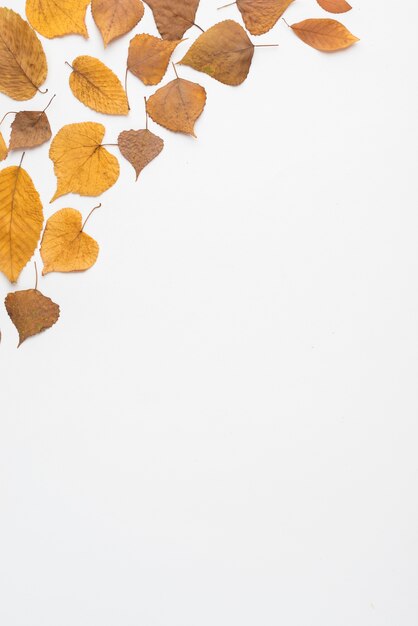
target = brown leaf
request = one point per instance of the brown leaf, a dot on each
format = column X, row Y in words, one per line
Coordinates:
column 324, row 34
column 224, row 52
column 56, row 18
column 173, row 17
column 139, row 147
column 177, row 105
column 335, row 6
column 261, row 15
column 23, row 66
column 149, row 57
column 31, row 312
column 3, row 149
column 29, row 129
column 116, row 18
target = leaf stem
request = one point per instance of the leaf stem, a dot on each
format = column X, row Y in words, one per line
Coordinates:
column 126, row 87
column 69, row 65
column 36, row 276
column 197, row 26
column 6, row 114
column 49, row 103
column 42, row 92
column 175, row 71
column 266, row 45
column 21, row 159
column 226, row 5
column 146, row 113
column 89, row 215
column 286, row 22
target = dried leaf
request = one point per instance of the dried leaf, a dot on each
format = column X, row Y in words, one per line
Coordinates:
column 23, row 66
column 224, row 52
column 65, row 246
column 3, row 149
column 21, row 220
column 31, row 312
column 261, row 15
column 149, row 57
column 116, row 18
column 324, row 34
column 96, row 86
column 139, row 147
column 56, row 18
column 178, row 105
column 29, row 129
column 81, row 164
column 335, row 6
column 173, row 17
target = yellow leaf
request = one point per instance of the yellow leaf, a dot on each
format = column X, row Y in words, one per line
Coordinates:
column 149, row 57
column 65, row 247
column 177, row 105
column 21, row 220
column 96, row 86
column 81, row 164
column 55, row 18
column 261, row 15
column 115, row 19
column 23, row 66
column 3, row 149
column 324, row 34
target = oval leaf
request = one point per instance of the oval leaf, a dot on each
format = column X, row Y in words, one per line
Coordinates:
column 335, row 6
column 172, row 17
column 324, row 34
column 31, row 312
column 96, row 86
column 56, row 18
column 261, row 15
column 177, row 106
column 149, row 57
column 115, row 19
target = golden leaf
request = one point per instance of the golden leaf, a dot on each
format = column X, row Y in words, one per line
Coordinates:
column 116, row 18
column 23, row 66
column 173, row 17
column 139, row 147
column 3, row 149
column 29, row 130
column 96, row 86
column 81, row 164
column 56, row 18
column 65, row 246
column 261, row 15
column 224, row 52
column 324, row 34
column 21, row 220
column 335, row 6
column 177, row 105
column 31, row 312
column 149, row 57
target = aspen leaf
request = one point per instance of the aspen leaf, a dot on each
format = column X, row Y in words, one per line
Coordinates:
column 149, row 56
column 65, row 246
column 56, row 18
column 261, row 15
column 173, row 17
column 224, row 52
column 96, row 86
column 3, row 149
column 81, row 164
column 324, row 34
column 335, row 6
column 115, row 18
column 31, row 312
column 21, row 220
column 139, row 147
column 29, row 130
column 177, row 105
column 23, row 66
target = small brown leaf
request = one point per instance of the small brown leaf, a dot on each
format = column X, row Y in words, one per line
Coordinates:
column 139, row 147
column 177, row 105
column 261, row 15
column 149, row 57
column 3, row 149
column 173, row 17
column 29, row 130
column 116, row 18
column 224, row 52
column 335, row 6
column 31, row 312
column 324, row 34
column 96, row 86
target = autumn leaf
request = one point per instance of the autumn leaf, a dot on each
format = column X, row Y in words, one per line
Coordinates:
column 173, row 17
column 23, row 66
column 56, row 18
column 149, row 57
column 96, row 86
column 3, row 149
column 31, row 312
column 324, row 34
column 261, row 15
column 81, row 164
column 21, row 220
column 224, row 52
column 177, row 105
column 65, row 246
column 29, row 130
column 116, row 18
column 139, row 147
column 335, row 6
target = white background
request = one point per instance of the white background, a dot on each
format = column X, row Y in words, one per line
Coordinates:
column 222, row 427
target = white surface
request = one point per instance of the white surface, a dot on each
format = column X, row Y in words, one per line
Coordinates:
column 222, row 428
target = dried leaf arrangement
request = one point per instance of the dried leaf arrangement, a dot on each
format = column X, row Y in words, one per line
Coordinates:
column 82, row 163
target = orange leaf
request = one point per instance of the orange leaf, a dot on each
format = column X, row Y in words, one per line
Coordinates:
column 324, row 34
column 177, row 105
column 149, row 57
column 173, row 17
column 115, row 19
column 261, row 15
column 335, row 6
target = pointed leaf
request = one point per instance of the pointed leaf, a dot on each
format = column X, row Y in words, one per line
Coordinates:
column 173, row 17
column 324, row 34
column 139, row 147
column 56, row 18
column 115, row 19
column 335, row 6
column 96, row 86
column 149, row 57
column 31, row 312
column 29, row 129
column 261, row 15
column 178, row 105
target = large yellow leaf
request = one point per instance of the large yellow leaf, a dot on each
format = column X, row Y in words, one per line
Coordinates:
column 96, row 86
column 324, row 34
column 116, row 18
column 81, row 164
column 23, row 66
column 55, row 18
column 173, row 17
column 21, row 220
column 261, row 15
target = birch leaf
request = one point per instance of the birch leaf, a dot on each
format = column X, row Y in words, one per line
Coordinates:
column 56, row 18
column 149, row 57
column 29, row 130
column 261, row 15
column 177, row 105
column 31, row 312
column 139, row 147
column 96, row 86
column 335, row 6
column 116, row 18
column 173, row 17
column 324, row 34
